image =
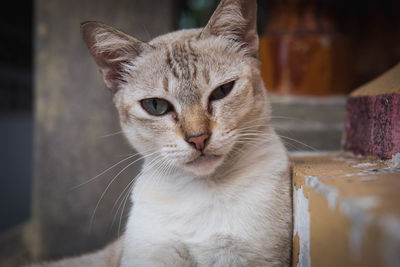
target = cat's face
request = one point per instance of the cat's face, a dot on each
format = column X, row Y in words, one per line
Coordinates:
column 187, row 89
column 186, row 97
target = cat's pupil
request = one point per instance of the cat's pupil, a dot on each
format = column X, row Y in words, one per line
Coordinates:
column 156, row 106
column 222, row 91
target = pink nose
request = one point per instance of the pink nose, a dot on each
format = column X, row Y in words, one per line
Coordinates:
column 199, row 142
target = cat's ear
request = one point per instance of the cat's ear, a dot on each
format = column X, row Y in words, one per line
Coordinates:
column 111, row 49
column 235, row 20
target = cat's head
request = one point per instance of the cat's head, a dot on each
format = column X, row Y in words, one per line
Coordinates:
column 186, row 97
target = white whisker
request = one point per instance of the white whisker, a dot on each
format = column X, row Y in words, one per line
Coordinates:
column 124, row 201
column 111, row 134
column 109, row 184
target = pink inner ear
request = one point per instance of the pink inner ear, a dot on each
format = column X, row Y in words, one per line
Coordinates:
column 110, row 49
column 112, row 79
column 110, row 64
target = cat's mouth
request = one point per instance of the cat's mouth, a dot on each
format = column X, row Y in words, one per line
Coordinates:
column 204, row 164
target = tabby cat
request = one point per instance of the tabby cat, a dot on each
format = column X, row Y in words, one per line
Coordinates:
column 215, row 185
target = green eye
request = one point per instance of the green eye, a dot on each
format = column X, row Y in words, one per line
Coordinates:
column 222, row 91
column 156, row 106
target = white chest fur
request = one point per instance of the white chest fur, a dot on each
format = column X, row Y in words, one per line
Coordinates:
column 195, row 217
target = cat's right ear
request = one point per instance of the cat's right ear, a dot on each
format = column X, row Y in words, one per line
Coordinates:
column 235, row 20
column 111, row 49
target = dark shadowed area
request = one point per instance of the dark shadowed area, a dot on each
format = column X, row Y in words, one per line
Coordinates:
column 15, row 113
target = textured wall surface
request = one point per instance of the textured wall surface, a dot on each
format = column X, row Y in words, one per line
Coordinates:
column 74, row 118
column 309, row 123
column 372, row 125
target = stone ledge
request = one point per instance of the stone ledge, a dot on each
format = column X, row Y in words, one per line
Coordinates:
column 346, row 211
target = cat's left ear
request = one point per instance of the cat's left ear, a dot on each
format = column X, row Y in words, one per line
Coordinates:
column 235, row 20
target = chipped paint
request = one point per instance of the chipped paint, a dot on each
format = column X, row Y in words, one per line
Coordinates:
column 301, row 227
column 364, row 164
column 390, row 244
column 357, row 209
column 396, row 161
column 331, row 194
column 296, row 248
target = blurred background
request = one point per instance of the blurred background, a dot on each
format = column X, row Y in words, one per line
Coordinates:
column 59, row 128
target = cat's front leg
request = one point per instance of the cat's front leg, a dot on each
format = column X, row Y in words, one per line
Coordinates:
column 157, row 255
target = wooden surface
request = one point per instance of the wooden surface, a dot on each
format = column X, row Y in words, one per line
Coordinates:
column 305, row 64
column 302, row 51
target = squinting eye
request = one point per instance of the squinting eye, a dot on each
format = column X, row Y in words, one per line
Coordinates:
column 156, row 106
column 222, row 91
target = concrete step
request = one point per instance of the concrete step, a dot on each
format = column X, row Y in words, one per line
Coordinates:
column 346, row 210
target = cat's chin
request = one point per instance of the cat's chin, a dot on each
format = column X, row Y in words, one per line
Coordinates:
column 204, row 164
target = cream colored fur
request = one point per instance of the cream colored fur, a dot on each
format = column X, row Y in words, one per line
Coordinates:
column 234, row 210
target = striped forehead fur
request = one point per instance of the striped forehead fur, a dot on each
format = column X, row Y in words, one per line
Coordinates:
column 183, row 63
column 181, row 52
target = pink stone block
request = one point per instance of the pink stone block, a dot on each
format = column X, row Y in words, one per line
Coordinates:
column 372, row 125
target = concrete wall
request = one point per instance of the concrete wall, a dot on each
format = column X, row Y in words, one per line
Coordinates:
column 309, row 123
column 74, row 117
